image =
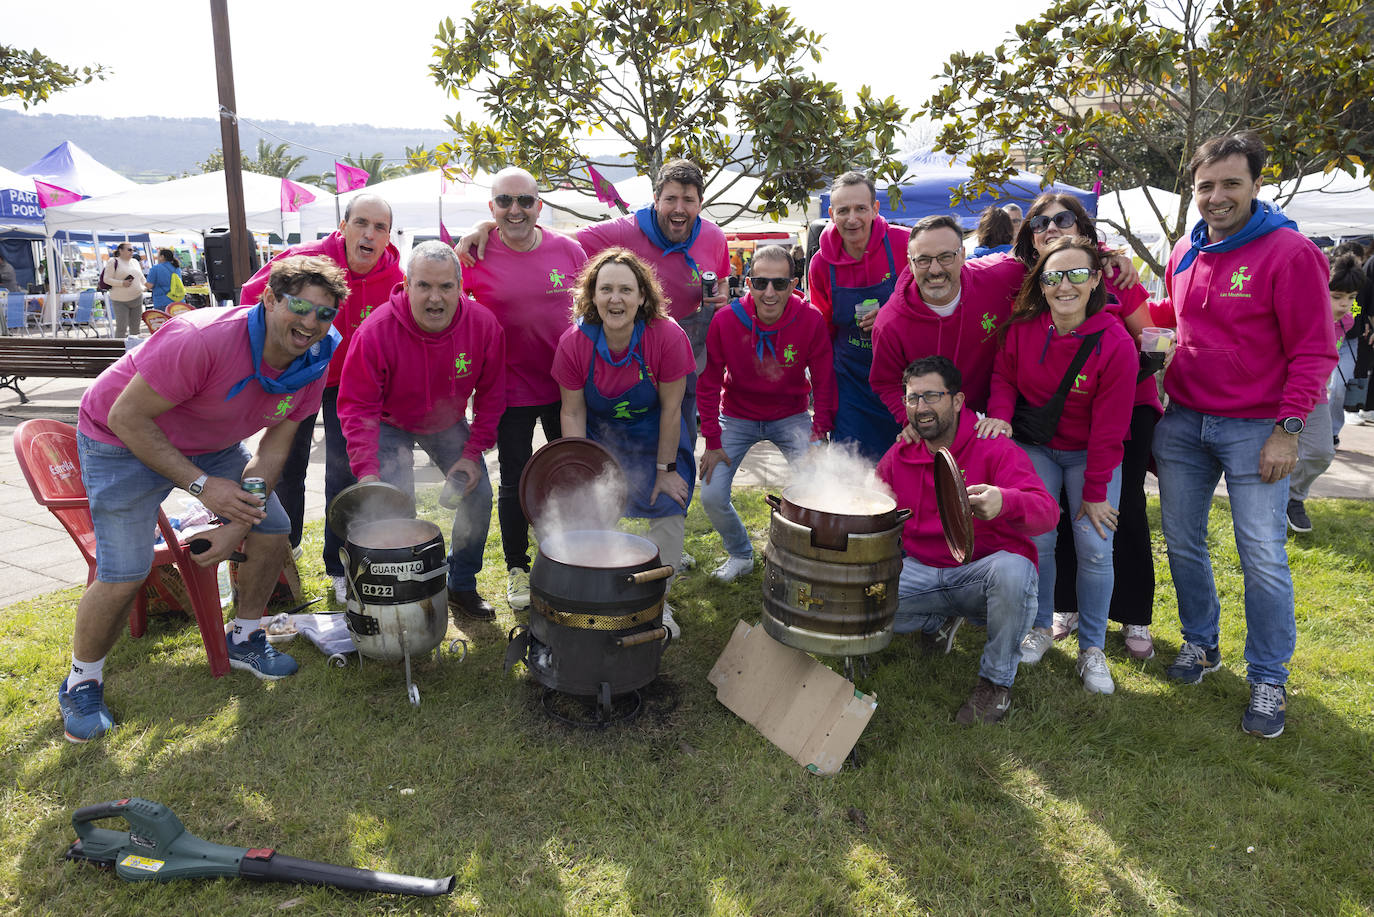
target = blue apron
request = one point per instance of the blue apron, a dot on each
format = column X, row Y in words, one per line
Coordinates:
column 628, row 426
column 861, row 417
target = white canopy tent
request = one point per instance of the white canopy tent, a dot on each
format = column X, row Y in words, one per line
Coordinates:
column 1330, row 204
column 1131, row 209
column 70, row 167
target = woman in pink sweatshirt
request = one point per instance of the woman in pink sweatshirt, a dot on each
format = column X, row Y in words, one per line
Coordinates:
column 1059, row 315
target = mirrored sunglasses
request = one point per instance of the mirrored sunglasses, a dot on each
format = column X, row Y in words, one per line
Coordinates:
column 1075, row 275
column 305, row 307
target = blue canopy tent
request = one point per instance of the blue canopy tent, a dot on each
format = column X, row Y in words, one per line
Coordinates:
column 930, row 177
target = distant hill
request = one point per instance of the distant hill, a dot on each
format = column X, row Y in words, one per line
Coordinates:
column 148, row 149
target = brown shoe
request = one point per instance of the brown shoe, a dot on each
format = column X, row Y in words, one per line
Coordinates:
column 469, row 605
column 987, row 704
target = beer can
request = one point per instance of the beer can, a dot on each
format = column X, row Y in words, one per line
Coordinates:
column 256, row 486
column 708, row 284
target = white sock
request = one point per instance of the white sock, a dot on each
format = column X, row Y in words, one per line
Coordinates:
column 244, row 627
column 86, row 671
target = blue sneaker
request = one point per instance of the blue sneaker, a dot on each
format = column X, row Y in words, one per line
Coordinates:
column 1264, row 716
column 258, row 656
column 84, row 714
column 1193, row 662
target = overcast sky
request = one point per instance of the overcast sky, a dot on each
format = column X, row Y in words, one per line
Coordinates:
column 331, row 63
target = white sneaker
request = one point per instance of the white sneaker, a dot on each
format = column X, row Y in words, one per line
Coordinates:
column 674, row 630
column 1366, row 417
column 1092, row 667
column 1034, row 646
column 733, row 568
column 340, row 589
column 1065, row 623
column 686, row 562
column 518, row 588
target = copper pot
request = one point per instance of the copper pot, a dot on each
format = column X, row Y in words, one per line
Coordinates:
column 834, row 513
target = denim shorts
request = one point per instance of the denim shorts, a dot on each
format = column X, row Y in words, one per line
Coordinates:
column 125, row 495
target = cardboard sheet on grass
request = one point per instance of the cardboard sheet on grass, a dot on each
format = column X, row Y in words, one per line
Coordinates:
column 810, row 712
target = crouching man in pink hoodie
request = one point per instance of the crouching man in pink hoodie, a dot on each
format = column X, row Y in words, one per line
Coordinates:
column 997, row 584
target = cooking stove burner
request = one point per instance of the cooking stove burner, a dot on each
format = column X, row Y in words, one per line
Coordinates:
column 592, row 712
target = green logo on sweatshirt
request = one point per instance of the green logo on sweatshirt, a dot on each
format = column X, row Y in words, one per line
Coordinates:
column 1238, row 280
column 461, row 364
column 789, row 355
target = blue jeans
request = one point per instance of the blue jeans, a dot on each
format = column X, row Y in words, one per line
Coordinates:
column 337, row 476
column 791, row 435
column 1335, row 389
column 1065, row 468
column 471, row 520
column 1192, row 451
column 997, row 590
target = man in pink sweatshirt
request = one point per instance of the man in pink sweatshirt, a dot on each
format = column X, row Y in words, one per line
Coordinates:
column 1253, row 352
column 997, row 584
column 413, row 367
column 362, row 247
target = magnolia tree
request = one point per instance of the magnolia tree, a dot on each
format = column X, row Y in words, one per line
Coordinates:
column 1127, row 90
column 717, row 81
column 32, row 77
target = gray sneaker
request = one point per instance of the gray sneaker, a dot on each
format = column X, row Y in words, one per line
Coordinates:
column 941, row 641
column 1034, row 646
column 1092, row 668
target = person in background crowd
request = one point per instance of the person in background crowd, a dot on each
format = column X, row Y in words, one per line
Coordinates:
column 994, row 232
column 765, row 357
column 1356, row 335
column 995, row 586
column 1253, row 353
column 1317, row 442
column 851, row 275
column 1014, row 211
column 362, row 246
column 799, row 267
column 173, row 413
column 160, row 277
column 1363, row 332
column 1059, row 313
column 125, row 279
column 8, row 280
column 622, row 371
column 526, row 279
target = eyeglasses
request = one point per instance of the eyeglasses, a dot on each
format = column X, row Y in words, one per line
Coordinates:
column 762, row 283
column 305, row 307
column 1075, row 275
column 915, row 398
column 526, row 201
column 1063, row 219
column 945, row 259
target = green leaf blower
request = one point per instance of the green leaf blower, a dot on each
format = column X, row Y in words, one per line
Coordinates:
column 158, row 847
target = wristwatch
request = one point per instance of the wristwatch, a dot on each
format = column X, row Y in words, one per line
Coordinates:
column 198, row 485
column 1293, row 425
column 671, row 466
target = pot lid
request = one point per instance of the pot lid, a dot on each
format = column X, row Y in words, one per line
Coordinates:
column 573, row 483
column 951, row 496
column 369, row 502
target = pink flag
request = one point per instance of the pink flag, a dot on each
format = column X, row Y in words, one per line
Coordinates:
column 348, row 178
column 293, row 195
column 1097, row 185
column 53, row 196
column 605, row 191
column 444, row 234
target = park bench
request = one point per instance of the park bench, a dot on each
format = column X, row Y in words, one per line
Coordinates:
column 54, row 358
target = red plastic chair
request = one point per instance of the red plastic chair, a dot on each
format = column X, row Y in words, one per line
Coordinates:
column 47, row 455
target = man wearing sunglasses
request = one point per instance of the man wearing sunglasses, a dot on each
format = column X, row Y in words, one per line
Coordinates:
column 755, row 388
column 362, row 246
column 526, row 279
column 174, row 413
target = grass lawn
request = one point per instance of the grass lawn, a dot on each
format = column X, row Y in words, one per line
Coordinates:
column 1148, row 801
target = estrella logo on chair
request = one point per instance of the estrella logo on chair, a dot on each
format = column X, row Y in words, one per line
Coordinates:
column 62, row 471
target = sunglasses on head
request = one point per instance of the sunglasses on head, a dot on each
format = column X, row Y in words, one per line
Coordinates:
column 762, row 283
column 1063, row 219
column 524, row 200
column 305, row 307
column 1075, row 275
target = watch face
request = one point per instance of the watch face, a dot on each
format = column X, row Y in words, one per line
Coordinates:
column 1293, row 425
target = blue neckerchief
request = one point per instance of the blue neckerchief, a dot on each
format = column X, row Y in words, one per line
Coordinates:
column 762, row 338
column 1264, row 219
column 303, row 370
column 647, row 219
column 603, row 350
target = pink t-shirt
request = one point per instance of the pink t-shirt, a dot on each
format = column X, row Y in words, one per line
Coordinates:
column 530, row 293
column 193, row 361
column 667, row 354
column 681, row 287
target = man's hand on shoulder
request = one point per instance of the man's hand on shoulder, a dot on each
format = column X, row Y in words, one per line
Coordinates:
column 473, row 246
column 985, row 501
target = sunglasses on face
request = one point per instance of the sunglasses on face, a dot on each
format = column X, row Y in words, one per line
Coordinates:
column 526, row 201
column 305, row 307
column 1063, row 219
column 762, row 283
column 1075, row 275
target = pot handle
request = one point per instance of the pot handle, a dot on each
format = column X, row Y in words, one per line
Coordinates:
column 649, row 576
column 903, row 515
column 648, row 636
column 774, row 501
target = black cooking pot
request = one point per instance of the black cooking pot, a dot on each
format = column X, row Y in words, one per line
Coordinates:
column 610, row 573
column 395, row 560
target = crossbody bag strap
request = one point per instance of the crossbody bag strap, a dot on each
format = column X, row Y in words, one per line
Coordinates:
column 1062, row 393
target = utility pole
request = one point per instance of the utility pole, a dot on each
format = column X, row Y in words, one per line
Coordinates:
column 239, row 239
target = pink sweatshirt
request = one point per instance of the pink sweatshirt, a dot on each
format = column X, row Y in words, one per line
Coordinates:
column 680, row 286
column 530, row 293
column 1122, row 303
column 907, row 330
column 767, row 388
column 853, row 272
column 1097, row 413
column 1254, row 328
column 365, row 291
column 1027, row 508
column 403, row 376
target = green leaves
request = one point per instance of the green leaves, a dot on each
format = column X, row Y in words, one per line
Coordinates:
column 33, row 77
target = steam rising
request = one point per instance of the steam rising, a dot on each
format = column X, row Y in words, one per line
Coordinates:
column 835, row 478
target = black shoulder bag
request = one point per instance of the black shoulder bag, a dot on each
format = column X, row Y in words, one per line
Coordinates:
column 1036, row 425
